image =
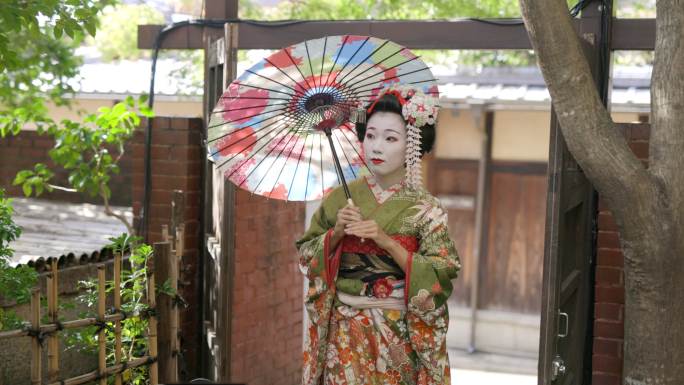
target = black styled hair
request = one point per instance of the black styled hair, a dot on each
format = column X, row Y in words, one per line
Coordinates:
column 390, row 103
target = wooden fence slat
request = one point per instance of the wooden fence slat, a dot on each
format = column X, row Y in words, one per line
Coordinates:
column 53, row 339
column 117, row 308
column 35, row 341
column 165, row 271
column 102, row 335
column 152, row 322
column 115, row 369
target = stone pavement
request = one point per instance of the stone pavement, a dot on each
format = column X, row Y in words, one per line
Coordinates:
column 491, row 369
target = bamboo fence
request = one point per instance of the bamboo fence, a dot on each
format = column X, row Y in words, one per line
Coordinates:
column 163, row 337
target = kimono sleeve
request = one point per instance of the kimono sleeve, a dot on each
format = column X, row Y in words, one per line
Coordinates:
column 313, row 245
column 431, row 269
column 428, row 286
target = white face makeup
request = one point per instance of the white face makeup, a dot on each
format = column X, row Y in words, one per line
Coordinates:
column 384, row 146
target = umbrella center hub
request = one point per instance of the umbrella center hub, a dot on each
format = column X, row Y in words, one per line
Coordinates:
column 319, row 100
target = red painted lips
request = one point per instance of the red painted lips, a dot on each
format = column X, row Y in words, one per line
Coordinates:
column 377, row 161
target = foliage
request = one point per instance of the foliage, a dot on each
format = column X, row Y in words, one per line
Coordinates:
column 117, row 37
column 84, row 150
column 15, row 283
column 37, row 71
column 45, row 20
column 133, row 294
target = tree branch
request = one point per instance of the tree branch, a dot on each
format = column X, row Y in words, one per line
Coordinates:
column 599, row 148
column 666, row 151
column 110, row 212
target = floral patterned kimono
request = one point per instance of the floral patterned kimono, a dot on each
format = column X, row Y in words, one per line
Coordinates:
column 371, row 323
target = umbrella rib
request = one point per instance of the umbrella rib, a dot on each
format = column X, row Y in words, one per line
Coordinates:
column 352, row 57
column 376, row 65
column 277, row 126
column 299, row 159
column 339, row 144
column 320, row 150
column 297, row 67
column 344, row 42
column 308, row 59
column 252, row 97
column 267, row 89
column 381, row 71
column 246, row 108
column 292, row 136
column 246, row 127
column 254, row 152
column 361, row 89
column 285, row 162
column 364, row 60
column 308, row 171
column 275, row 81
column 262, row 160
column 320, row 76
column 344, row 134
column 248, row 117
column 286, row 74
column 358, row 87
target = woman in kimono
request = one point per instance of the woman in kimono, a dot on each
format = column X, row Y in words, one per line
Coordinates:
column 380, row 267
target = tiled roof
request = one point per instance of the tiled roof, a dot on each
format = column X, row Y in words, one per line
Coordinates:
column 505, row 85
column 75, row 233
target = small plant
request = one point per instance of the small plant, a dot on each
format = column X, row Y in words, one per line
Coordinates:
column 133, row 305
column 15, row 283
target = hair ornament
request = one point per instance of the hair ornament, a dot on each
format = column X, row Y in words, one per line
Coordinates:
column 418, row 109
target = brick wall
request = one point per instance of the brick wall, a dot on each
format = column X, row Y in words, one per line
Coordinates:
column 609, row 299
column 266, row 333
column 23, row 151
column 176, row 164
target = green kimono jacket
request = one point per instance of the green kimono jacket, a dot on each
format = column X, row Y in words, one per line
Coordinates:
column 400, row 345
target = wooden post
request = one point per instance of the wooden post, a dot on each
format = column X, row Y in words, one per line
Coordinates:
column 152, row 321
column 165, row 233
column 165, row 271
column 177, row 213
column 53, row 340
column 35, row 342
column 102, row 334
column 117, row 309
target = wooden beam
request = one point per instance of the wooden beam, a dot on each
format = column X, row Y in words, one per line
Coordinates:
column 633, row 34
column 459, row 34
column 628, row 34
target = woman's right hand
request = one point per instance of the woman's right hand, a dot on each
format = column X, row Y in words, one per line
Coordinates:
column 346, row 215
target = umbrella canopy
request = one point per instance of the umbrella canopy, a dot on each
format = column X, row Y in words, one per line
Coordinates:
column 267, row 132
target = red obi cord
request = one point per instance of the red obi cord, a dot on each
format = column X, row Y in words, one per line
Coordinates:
column 353, row 244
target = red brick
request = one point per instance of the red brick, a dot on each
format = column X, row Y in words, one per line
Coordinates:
column 608, row 347
column 609, row 275
column 160, row 123
column 608, row 239
column 608, row 329
column 640, row 131
column 640, row 149
column 606, row 379
column 608, row 311
column 610, row 257
column 607, row 222
column 180, row 124
column 610, row 294
column 606, row 364
column 44, row 142
column 185, row 153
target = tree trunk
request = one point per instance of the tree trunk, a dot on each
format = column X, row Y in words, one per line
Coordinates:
column 648, row 205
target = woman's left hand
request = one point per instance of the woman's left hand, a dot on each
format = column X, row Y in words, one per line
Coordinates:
column 368, row 229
